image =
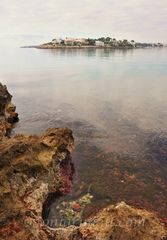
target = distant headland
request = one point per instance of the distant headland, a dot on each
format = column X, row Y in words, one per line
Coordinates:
column 102, row 42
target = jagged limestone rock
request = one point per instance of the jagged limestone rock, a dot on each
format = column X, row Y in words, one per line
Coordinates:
column 29, row 171
column 117, row 222
column 8, row 116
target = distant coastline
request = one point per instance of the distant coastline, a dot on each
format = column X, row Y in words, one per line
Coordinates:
column 44, row 46
column 99, row 43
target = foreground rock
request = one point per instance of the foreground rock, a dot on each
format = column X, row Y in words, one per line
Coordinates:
column 33, row 170
column 31, row 167
column 117, row 222
column 8, row 116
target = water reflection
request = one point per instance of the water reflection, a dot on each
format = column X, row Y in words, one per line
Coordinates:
column 90, row 52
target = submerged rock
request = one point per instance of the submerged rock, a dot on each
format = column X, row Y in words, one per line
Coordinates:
column 8, row 116
column 34, row 170
column 117, row 222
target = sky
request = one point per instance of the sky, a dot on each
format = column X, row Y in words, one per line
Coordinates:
column 36, row 21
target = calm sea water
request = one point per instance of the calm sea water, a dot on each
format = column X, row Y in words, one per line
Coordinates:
column 115, row 101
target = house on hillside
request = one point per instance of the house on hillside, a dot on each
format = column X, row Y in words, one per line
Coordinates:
column 75, row 41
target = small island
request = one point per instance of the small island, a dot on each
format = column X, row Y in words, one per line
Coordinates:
column 102, row 42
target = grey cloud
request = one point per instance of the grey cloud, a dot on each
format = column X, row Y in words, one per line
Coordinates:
column 137, row 19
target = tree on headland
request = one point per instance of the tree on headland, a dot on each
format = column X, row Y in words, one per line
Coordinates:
column 108, row 39
column 102, row 39
column 125, row 41
column 91, row 41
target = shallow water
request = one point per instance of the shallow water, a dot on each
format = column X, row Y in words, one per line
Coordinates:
column 115, row 101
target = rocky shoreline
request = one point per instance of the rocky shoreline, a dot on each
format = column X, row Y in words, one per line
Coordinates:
column 35, row 170
column 50, row 46
column 8, row 115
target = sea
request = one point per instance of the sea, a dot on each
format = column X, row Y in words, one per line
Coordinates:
column 115, row 102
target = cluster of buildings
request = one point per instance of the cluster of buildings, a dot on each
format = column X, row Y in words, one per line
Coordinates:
column 69, row 41
column 75, row 42
column 102, row 42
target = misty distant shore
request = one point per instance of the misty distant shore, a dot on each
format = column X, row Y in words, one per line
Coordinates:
column 102, row 43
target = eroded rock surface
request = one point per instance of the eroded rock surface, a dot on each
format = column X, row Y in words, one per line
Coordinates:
column 117, row 222
column 8, row 116
column 31, row 167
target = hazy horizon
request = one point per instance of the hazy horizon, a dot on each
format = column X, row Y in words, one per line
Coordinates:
column 37, row 21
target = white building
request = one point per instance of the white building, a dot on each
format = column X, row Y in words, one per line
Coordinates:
column 72, row 41
column 99, row 43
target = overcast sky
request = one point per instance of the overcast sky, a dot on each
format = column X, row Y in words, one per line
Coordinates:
column 36, row 20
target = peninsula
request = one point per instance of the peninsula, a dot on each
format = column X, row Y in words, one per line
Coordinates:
column 102, row 42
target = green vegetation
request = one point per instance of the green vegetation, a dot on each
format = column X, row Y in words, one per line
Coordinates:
column 102, row 42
